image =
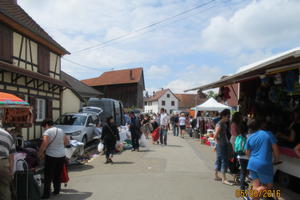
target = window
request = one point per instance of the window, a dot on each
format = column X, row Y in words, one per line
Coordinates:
column 168, row 95
column 163, row 103
column 43, row 60
column 172, row 103
column 145, row 103
column 40, row 109
column 5, row 43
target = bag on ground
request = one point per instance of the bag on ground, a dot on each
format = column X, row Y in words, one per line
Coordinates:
column 143, row 141
column 100, row 147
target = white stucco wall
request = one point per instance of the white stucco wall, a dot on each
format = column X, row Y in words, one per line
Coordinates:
column 70, row 102
column 157, row 105
column 168, row 106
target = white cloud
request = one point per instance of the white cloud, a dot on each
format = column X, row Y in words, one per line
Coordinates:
column 261, row 24
column 79, row 24
column 158, row 72
column 194, row 76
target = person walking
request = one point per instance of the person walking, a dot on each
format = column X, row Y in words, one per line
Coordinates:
column 134, row 128
column 147, row 127
column 164, row 126
column 175, row 125
column 53, row 150
column 222, row 149
column 110, row 136
column 182, row 124
column 7, row 149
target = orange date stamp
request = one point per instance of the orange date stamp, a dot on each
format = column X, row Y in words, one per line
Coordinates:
column 256, row 194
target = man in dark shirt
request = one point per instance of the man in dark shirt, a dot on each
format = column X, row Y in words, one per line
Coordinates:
column 134, row 128
column 7, row 148
column 174, row 121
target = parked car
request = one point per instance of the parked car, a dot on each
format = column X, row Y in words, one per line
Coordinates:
column 80, row 126
column 95, row 110
column 110, row 107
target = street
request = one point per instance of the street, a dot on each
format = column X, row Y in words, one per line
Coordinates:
column 181, row 170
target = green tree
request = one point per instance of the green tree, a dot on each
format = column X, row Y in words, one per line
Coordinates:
column 211, row 94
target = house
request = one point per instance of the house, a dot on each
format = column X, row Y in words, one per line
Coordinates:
column 187, row 101
column 30, row 65
column 164, row 98
column 124, row 85
column 77, row 95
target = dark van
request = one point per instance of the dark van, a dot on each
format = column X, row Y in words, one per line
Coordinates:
column 110, row 107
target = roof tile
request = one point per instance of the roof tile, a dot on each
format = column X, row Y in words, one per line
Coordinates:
column 116, row 77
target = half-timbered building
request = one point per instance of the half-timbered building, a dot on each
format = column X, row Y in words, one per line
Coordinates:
column 30, row 65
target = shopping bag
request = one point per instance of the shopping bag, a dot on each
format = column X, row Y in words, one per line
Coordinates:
column 100, row 147
column 64, row 174
column 143, row 141
column 155, row 135
column 119, row 146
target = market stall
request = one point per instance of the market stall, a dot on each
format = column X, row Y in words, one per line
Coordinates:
column 14, row 112
column 270, row 89
column 211, row 105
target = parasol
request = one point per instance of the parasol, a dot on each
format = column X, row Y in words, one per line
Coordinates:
column 9, row 100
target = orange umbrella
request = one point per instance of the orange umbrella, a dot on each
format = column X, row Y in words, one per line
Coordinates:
column 10, row 100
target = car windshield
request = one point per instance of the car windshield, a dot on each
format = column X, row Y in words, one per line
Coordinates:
column 78, row 120
column 95, row 110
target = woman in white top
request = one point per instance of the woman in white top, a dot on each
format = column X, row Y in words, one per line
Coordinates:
column 53, row 146
column 182, row 124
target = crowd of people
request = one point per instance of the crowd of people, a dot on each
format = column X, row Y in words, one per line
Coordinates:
column 253, row 144
column 248, row 140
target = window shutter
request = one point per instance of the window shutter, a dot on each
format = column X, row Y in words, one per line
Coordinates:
column 49, row 109
column 32, row 102
column 5, row 44
column 43, row 60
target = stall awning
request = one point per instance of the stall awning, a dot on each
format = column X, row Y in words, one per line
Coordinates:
column 211, row 105
column 289, row 59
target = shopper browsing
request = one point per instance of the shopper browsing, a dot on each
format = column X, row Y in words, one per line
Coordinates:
column 53, row 146
column 222, row 149
column 164, row 126
column 182, row 124
column 259, row 147
column 110, row 136
column 134, row 128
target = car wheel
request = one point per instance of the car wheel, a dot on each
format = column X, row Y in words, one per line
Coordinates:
column 284, row 179
column 84, row 140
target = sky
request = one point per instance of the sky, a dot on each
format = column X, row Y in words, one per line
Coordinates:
column 213, row 38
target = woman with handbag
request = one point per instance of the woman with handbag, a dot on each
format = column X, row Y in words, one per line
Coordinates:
column 110, row 136
column 53, row 150
column 222, row 147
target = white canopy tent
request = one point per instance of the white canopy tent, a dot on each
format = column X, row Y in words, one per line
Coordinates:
column 211, row 105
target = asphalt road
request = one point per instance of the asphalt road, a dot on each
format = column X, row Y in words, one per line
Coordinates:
column 183, row 170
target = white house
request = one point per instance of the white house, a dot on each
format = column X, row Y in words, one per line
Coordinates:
column 161, row 99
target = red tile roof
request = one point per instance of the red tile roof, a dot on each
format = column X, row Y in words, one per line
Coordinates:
column 13, row 11
column 189, row 100
column 116, row 77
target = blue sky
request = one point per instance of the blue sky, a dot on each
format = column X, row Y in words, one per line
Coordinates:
column 181, row 53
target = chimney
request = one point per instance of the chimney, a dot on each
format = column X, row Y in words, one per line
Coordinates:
column 153, row 93
column 131, row 75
